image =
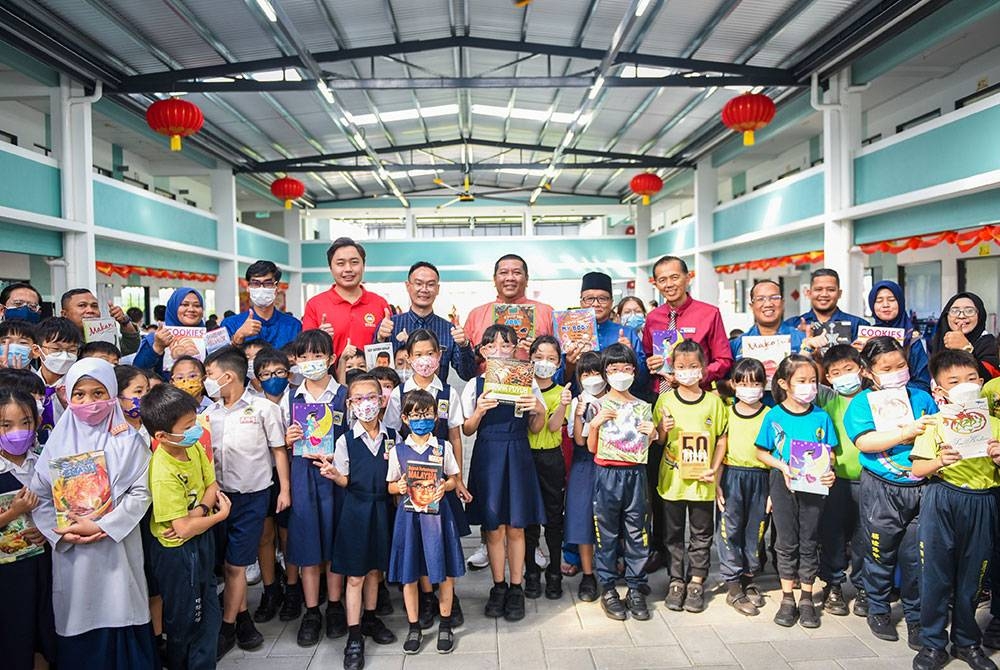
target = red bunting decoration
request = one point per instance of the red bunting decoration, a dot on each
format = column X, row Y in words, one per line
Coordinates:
column 965, row 241
column 768, row 263
column 124, row 271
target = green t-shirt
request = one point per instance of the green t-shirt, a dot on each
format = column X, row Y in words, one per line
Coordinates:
column 973, row 473
column 847, row 466
column 991, row 391
column 176, row 488
column 707, row 416
column 545, row 438
column 740, row 448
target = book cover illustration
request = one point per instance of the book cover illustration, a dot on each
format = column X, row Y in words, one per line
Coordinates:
column 13, row 544
column 195, row 334
column 519, row 317
column 378, row 355
column 890, row 408
column 507, row 379
column 809, row 461
column 80, row 485
column 422, row 480
column 104, row 329
column 317, row 422
column 966, row 428
column 695, row 454
column 866, row 333
column 837, row 332
column 216, row 339
column 664, row 342
column 576, row 326
column 620, row 437
column 769, row 350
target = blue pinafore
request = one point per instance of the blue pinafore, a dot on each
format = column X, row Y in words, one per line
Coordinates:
column 425, row 544
column 502, row 478
column 580, row 493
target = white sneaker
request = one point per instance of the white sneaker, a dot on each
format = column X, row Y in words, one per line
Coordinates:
column 253, row 573
column 541, row 560
column 480, row 559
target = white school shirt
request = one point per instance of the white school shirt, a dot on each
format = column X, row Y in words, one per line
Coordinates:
column 24, row 472
column 242, row 438
column 341, row 458
column 393, row 410
column 396, row 470
column 469, row 395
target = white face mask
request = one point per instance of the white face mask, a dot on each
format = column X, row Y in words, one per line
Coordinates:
column 263, row 297
column 964, row 393
column 60, row 362
column 313, row 370
column 594, row 385
column 749, row 394
column 213, row 389
column 545, row 369
column 688, row 377
column 804, row 393
column 894, row 380
column 621, row 381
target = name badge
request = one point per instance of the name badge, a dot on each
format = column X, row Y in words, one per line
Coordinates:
column 443, row 408
column 338, row 418
column 248, row 419
column 435, row 458
column 390, row 443
column 688, row 330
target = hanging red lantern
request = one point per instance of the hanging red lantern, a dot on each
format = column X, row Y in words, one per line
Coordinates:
column 747, row 113
column 630, row 230
column 646, row 184
column 288, row 189
column 174, row 117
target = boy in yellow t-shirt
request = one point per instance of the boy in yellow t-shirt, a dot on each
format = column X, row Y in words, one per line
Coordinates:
column 695, row 425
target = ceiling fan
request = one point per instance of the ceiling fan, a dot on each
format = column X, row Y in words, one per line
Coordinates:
column 466, row 194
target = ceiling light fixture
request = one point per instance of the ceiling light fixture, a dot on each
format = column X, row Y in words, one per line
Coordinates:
column 268, row 9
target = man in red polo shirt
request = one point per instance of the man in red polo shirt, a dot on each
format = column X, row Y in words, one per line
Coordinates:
column 347, row 311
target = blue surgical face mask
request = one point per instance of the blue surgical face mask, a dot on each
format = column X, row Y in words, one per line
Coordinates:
column 422, row 426
column 21, row 314
column 274, row 385
column 634, row 320
column 189, row 437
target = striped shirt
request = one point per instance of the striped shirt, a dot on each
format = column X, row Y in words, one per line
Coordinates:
column 452, row 355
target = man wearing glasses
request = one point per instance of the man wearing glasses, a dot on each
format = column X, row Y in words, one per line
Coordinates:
column 768, row 309
column 596, row 292
column 263, row 321
column 22, row 302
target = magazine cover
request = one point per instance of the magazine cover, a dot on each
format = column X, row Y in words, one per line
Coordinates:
column 890, row 408
column 317, row 422
column 866, row 333
column 966, row 428
column 519, row 317
column 81, row 485
column 620, row 437
column 664, row 342
column 508, row 379
column 769, row 350
column 195, row 334
column 576, row 326
column 837, row 332
column 104, row 329
column 696, row 454
column 216, row 339
column 422, row 480
column 378, row 355
column 808, row 462
column 13, row 544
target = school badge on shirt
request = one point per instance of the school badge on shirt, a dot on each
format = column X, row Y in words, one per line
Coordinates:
column 369, row 320
column 443, row 407
column 248, row 416
column 338, row 418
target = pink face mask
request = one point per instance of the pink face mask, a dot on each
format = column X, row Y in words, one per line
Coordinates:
column 93, row 413
column 425, row 366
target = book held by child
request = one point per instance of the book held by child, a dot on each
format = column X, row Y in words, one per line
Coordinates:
column 13, row 544
column 81, row 486
column 576, row 327
column 507, row 379
column 422, row 481
column 966, row 427
column 808, row 462
column 621, row 441
column 890, row 408
column 317, row 421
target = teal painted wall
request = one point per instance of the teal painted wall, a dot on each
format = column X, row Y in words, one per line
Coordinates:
column 799, row 200
column 672, row 241
column 112, row 251
column 796, row 243
column 36, row 187
column 966, row 147
column 121, row 209
column 26, row 240
column 253, row 245
column 954, row 214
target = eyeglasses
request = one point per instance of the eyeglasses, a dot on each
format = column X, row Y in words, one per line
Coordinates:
column 620, row 368
column 33, row 306
column 253, row 283
column 424, row 286
column 362, row 398
column 420, row 415
column 963, row 311
column 424, row 486
column 598, row 300
column 280, row 374
column 53, row 349
column 761, row 299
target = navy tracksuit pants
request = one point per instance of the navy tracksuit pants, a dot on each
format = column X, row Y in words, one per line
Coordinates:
column 620, row 515
column 843, row 541
column 741, row 526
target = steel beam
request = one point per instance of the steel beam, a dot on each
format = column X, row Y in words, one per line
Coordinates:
column 610, row 164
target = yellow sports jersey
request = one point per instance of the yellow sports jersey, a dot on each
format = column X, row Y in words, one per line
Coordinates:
column 176, row 487
column 741, row 450
column 973, row 473
column 694, row 423
column 545, row 438
column 991, row 391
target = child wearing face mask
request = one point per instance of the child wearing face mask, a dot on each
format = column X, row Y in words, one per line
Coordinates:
column 17, row 340
column 796, row 515
column 689, row 414
column 26, row 381
column 741, row 494
column 188, row 374
column 247, row 433
column 27, row 632
column 59, row 342
column 359, row 465
column 580, row 487
column 890, row 490
column 842, row 537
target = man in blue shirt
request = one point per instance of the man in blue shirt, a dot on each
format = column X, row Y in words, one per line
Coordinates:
column 263, row 321
column 768, row 307
column 423, row 283
column 595, row 291
column 824, row 293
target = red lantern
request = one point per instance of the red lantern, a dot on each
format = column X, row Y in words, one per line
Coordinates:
column 288, row 189
column 174, row 117
column 646, row 184
column 747, row 113
column 630, row 230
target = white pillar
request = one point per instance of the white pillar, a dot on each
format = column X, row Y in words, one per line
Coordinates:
column 841, row 139
column 74, row 147
column 410, row 221
column 529, row 224
column 293, row 235
column 57, row 275
column 706, row 195
column 224, row 206
column 643, row 224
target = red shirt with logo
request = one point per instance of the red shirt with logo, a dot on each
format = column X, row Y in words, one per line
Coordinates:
column 355, row 321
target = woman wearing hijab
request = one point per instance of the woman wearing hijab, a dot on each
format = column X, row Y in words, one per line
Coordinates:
column 98, row 588
column 185, row 308
column 963, row 326
column 888, row 306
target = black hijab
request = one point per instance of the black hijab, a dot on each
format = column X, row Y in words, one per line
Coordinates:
column 984, row 345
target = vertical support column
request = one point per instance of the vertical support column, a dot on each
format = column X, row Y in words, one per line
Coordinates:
column 706, row 194
column 224, row 206
column 528, row 224
column 293, row 235
column 410, row 221
column 643, row 225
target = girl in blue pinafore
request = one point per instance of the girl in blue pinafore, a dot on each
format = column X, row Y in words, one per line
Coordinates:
column 425, row 546
column 502, row 479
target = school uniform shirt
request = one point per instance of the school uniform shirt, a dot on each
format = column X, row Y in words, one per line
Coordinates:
column 52, row 408
column 796, row 338
column 848, row 464
column 741, row 450
column 341, row 459
column 892, row 465
column 242, row 438
column 469, row 397
column 177, row 487
column 277, row 331
column 355, row 321
column 700, row 322
column 978, row 473
column 781, row 426
column 839, row 315
column 481, row 318
column 708, row 416
column 24, row 472
column 548, row 439
column 991, row 391
column 396, row 470
column 393, row 409
column 462, row 359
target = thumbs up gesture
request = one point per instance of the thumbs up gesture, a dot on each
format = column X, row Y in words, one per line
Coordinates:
column 458, row 334
column 385, row 327
column 622, row 339
column 118, row 314
column 566, row 397
column 325, row 327
column 250, row 328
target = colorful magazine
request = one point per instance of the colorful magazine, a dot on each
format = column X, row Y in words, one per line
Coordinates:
column 769, row 350
column 890, row 408
column 378, row 355
column 317, row 421
column 104, row 329
column 866, row 333
column 195, row 334
column 620, row 439
column 966, row 428
column 216, row 339
column 664, row 342
column 422, row 480
column 80, row 485
column 507, row 379
column 13, row 544
column 837, row 332
column 809, row 461
column 576, row 326
column 519, row 317
column 695, row 454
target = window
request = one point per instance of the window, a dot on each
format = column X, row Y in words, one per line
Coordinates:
column 134, row 182
column 9, row 138
column 164, row 192
column 923, row 118
column 869, row 140
column 981, row 94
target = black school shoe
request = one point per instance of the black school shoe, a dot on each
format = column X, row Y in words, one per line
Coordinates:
column 974, row 656
column 991, row 636
column 861, row 604
column 635, row 601
column 495, row 605
column 427, row 610
column 291, row 608
column 354, row 655
column 412, row 643
column 914, row 636
column 675, row 596
column 553, row 585
column 270, row 602
column 833, row 601
column 882, row 628
column 588, row 592
column 309, row 629
column 808, row 618
column 533, row 585
column 383, row 606
column 930, row 659
column 248, row 637
column 457, row 616
column 694, row 600
column 787, row 613
column 227, row 640
column 513, row 603
column 336, row 621
column 376, row 629
column 446, row 641
column 613, row 606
